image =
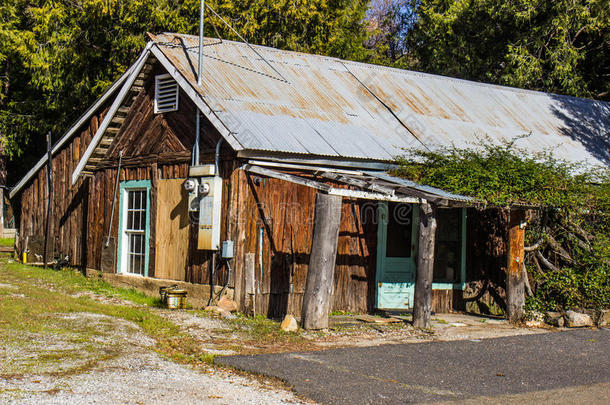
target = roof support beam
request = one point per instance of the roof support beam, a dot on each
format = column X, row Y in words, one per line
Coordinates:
column 287, row 177
column 75, row 127
column 364, row 195
column 110, row 115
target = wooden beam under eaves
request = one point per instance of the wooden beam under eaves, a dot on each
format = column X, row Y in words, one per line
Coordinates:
column 343, row 192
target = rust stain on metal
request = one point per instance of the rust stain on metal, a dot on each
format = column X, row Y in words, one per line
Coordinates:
column 324, row 108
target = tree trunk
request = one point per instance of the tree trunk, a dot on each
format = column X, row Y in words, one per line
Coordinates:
column 318, row 288
column 515, row 283
column 422, row 308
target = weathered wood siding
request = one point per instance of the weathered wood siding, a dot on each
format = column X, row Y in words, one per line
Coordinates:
column 157, row 147
column 69, row 220
column 283, row 212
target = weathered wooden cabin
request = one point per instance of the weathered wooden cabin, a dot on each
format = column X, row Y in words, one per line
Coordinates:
column 215, row 182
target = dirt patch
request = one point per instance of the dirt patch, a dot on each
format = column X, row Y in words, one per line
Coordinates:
column 244, row 335
column 109, row 360
column 104, row 299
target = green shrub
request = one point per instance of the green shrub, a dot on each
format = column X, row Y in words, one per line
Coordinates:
column 571, row 206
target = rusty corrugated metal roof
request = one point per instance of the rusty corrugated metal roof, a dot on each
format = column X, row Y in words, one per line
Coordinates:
column 330, row 107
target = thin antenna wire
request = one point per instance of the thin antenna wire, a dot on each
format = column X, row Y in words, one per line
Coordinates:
column 387, row 107
column 201, row 15
column 247, row 43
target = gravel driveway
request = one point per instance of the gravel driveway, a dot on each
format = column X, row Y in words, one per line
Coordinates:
column 130, row 372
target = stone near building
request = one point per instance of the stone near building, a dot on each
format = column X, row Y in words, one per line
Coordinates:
column 577, row 320
column 227, row 304
column 289, row 324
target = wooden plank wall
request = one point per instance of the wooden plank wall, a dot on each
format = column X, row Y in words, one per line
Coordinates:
column 69, row 203
column 100, row 205
column 284, row 213
column 198, row 268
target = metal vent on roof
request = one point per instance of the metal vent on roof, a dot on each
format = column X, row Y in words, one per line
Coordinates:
column 166, row 94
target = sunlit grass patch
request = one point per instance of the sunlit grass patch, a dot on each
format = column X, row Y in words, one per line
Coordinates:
column 47, row 327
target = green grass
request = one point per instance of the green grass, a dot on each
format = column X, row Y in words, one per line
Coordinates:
column 7, row 242
column 32, row 301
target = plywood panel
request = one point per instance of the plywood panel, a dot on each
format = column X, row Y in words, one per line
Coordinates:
column 171, row 230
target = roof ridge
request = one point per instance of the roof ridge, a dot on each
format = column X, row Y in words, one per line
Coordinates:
column 401, row 71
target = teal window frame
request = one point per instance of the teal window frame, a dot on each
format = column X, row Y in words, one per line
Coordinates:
column 126, row 186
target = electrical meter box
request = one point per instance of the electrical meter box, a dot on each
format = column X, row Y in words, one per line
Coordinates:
column 192, row 186
column 210, row 192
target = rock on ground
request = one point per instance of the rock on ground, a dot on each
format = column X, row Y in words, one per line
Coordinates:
column 577, row 320
column 289, row 324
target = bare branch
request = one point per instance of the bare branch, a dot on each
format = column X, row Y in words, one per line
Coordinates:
column 535, row 246
column 545, row 261
column 528, row 287
column 559, row 249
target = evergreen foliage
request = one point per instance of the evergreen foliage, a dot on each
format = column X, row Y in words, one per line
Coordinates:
column 57, row 57
column 559, row 46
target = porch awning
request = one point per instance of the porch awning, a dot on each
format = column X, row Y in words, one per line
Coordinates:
column 367, row 185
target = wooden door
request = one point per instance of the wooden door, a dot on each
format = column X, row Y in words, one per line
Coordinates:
column 172, row 230
column 397, row 242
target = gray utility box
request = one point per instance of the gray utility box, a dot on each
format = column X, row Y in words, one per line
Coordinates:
column 227, row 249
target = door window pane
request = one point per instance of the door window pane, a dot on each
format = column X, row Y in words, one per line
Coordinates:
column 400, row 222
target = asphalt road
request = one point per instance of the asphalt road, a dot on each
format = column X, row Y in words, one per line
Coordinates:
column 445, row 371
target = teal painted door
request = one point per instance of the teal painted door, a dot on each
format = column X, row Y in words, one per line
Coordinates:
column 397, row 238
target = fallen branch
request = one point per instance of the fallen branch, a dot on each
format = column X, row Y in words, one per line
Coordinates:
column 584, row 245
column 538, row 267
column 559, row 249
column 546, row 262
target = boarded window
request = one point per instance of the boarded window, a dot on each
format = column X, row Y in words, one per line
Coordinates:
column 166, row 94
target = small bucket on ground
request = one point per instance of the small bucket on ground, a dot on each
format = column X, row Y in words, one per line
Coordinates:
column 176, row 299
column 163, row 292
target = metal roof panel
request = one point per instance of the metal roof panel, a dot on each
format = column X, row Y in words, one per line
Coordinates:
column 330, row 107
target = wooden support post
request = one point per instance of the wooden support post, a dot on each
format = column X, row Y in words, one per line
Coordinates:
column 318, row 288
column 515, row 285
column 45, row 255
column 2, row 185
column 422, row 308
column 1, row 207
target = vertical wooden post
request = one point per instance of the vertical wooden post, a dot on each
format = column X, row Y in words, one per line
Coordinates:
column 318, row 288
column 1, row 206
column 152, row 244
column 422, row 308
column 515, row 285
column 49, row 197
column 2, row 185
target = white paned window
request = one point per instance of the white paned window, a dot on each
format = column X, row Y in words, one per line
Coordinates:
column 135, row 232
column 166, row 94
